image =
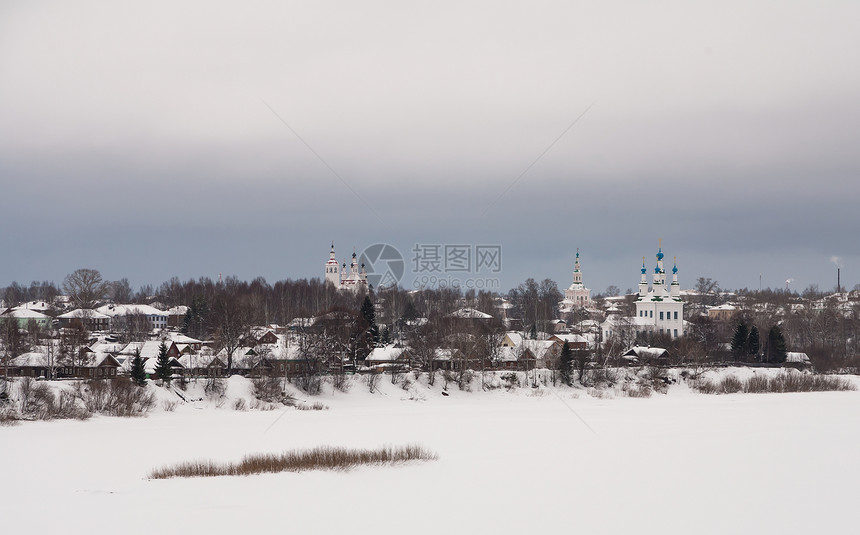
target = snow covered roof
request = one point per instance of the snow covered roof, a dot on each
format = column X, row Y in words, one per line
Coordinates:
column 513, row 354
column 32, row 359
column 284, row 352
column 180, row 310
column 444, row 354
column 514, row 337
column 385, row 354
column 180, row 338
column 539, row 348
column 239, row 352
column 86, row 313
column 802, row 358
column 24, row 313
column 302, row 322
column 200, row 360
column 95, row 359
column 470, row 313
column 34, row 305
column 571, row 338
column 148, row 349
column 645, row 352
column 122, row 310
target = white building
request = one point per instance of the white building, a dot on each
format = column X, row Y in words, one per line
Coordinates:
column 353, row 279
column 659, row 308
column 157, row 318
column 576, row 295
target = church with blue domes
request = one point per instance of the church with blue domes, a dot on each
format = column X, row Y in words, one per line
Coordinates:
column 659, row 308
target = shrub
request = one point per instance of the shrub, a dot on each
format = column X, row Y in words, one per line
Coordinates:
column 464, row 380
column 239, row 404
column 341, row 382
column 39, row 402
column 406, row 384
column 731, row 385
column 215, row 387
column 316, row 406
column 8, row 417
column 638, row 391
column 372, row 380
column 258, row 405
column 267, row 388
column 117, row 397
column 321, row 458
column 511, row 380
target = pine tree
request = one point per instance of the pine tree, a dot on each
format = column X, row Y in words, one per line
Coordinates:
column 533, row 333
column 138, row 372
column 368, row 313
column 739, row 340
column 410, row 314
column 162, row 364
column 753, row 342
column 565, row 364
column 775, row 345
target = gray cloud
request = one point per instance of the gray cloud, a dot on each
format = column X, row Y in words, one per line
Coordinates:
column 137, row 132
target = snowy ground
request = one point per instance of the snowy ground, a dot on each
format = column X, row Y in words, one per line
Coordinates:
column 508, row 463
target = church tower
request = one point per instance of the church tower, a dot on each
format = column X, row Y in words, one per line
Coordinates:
column 331, row 269
column 577, row 294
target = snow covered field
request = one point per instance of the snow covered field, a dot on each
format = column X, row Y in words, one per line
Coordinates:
column 509, row 462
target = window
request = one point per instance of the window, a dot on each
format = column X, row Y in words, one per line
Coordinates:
column 676, row 331
column 652, row 313
column 661, row 315
column 676, row 314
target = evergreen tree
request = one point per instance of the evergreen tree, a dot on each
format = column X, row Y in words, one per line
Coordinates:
column 753, row 342
column 775, row 345
column 739, row 340
column 368, row 313
column 194, row 323
column 533, row 333
column 385, row 336
column 410, row 314
column 162, row 364
column 138, row 373
column 565, row 364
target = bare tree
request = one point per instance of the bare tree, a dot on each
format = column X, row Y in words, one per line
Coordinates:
column 85, row 287
column 120, row 291
column 230, row 324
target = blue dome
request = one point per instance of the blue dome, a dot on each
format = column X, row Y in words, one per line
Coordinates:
column 657, row 269
column 660, row 254
column 675, row 269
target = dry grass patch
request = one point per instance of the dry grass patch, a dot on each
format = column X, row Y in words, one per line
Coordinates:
column 784, row 382
column 321, row 458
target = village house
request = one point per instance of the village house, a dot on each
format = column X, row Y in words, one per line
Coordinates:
column 24, row 317
column 84, row 318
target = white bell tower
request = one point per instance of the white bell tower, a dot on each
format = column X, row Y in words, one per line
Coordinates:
column 331, row 269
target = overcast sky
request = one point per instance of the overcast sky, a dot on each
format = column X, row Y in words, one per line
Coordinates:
column 153, row 139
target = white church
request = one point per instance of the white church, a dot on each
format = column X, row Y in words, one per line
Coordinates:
column 355, row 279
column 576, row 295
column 659, row 308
